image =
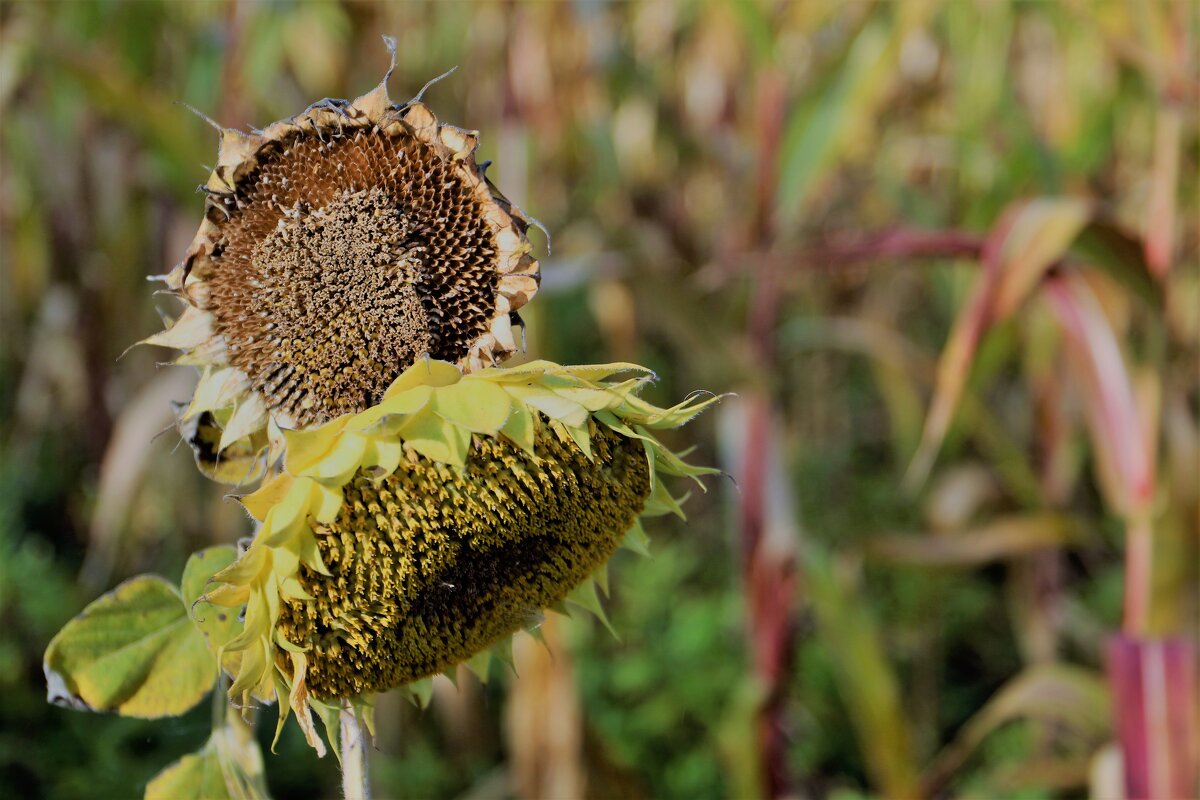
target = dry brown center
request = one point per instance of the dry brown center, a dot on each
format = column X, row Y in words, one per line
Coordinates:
column 345, row 261
column 340, row 305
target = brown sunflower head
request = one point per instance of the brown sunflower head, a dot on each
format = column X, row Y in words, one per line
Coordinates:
column 337, row 248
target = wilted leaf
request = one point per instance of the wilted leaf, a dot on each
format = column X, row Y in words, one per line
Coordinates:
column 1117, row 433
column 1040, row 235
column 1164, row 184
column 1074, row 699
column 1019, row 249
column 238, row 464
column 1003, row 538
column 249, row 415
column 191, row 330
column 228, row 767
column 133, row 651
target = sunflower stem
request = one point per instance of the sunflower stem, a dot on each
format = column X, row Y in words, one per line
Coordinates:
column 355, row 783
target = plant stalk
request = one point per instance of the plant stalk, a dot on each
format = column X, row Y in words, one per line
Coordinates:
column 1139, row 575
column 355, row 777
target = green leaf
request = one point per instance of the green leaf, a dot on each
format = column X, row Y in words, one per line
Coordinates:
column 636, row 539
column 584, row 595
column 218, row 624
column 133, row 651
column 194, row 777
column 228, row 767
column 815, row 134
column 866, row 679
column 419, row 692
column 328, row 714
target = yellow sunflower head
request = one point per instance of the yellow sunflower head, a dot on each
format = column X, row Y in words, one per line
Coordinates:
column 338, row 247
column 403, row 540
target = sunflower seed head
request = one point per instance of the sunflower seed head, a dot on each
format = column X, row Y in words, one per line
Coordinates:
column 433, row 565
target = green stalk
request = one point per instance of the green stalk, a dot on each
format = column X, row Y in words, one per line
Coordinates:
column 355, row 779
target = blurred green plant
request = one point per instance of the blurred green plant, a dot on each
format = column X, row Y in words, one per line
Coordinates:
column 838, row 166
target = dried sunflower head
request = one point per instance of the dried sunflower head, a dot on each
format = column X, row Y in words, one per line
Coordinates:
column 339, row 246
column 405, row 539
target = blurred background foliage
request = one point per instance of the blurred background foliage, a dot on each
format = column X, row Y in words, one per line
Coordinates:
column 788, row 200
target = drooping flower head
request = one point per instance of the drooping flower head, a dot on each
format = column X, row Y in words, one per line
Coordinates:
column 411, row 537
column 338, row 247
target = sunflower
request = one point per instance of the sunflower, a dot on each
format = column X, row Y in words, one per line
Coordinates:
column 403, row 540
column 339, row 246
column 348, row 298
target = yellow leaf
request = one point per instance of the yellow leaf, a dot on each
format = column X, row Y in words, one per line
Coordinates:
column 476, row 405
column 426, row 372
column 267, row 496
column 304, row 448
column 249, row 416
column 519, row 428
column 565, row 411
column 192, row 329
column 407, row 402
column 383, row 455
column 340, row 463
column 133, row 651
column 435, row 438
column 325, row 503
column 288, row 514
